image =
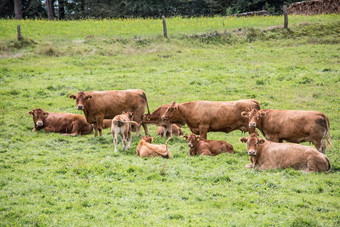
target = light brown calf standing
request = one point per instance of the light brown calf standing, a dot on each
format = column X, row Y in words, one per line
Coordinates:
column 146, row 149
column 121, row 124
column 270, row 155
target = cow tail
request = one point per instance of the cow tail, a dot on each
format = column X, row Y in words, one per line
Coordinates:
column 146, row 100
column 327, row 127
column 329, row 164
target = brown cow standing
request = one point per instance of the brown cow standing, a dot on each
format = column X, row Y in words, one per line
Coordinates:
column 211, row 116
column 100, row 105
column 270, row 155
column 156, row 118
column 66, row 123
column 294, row 126
column 208, row 147
column 146, row 149
column 121, row 124
column 175, row 130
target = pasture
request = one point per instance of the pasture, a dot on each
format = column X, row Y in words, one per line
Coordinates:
column 51, row 179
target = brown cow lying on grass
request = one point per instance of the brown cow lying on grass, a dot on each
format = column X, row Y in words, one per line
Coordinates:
column 156, row 118
column 146, row 149
column 207, row 147
column 65, row 123
column 121, row 124
column 211, row 116
column 175, row 130
column 294, row 126
column 269, row 155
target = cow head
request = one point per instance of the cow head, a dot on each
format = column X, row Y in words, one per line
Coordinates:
column 129, row 115
column 253, row 141
column 39, row 116
column 148, row 139
column 80, row 98
column 254, row 117
column 172, row 113
column 192, row 143
column 146, row 117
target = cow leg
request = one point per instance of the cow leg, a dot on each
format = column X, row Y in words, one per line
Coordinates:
column 170, row 130
column 145, row 126
column 203, row 129
column 130, row 139
column 99, row 121
column 206, row 152
column 114, row 135
column 320, row 145
column 165, row 130
column 95, row 129
column 123, row 136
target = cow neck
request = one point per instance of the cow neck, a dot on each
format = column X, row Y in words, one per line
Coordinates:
column 182, row 109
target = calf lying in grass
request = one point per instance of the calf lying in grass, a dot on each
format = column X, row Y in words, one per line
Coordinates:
column 175, row 130
column 121, row 124
column 207, row 147
column 270, row 155
column 146, row 149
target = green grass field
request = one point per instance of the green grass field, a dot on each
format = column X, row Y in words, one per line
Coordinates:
column 50, row 179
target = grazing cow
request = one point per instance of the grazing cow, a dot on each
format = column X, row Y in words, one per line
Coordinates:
column 121, row 124
column 156, row 118
column 175, row 130
column 99, row 105
column 208, row 147
column 294, row 126
column 211, row 116
column 270, row 155
column 65, row 123
column 146, row 149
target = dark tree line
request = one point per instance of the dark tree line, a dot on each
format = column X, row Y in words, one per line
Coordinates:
column 77, row 9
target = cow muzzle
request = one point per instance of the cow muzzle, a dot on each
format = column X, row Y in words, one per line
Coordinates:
column 40, row 123
column 80, row 107
column 252, row 125
column 251, row 153
column 190, row 145
column 164, row 118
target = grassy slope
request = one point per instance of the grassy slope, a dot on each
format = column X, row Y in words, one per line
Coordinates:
column 52, row 179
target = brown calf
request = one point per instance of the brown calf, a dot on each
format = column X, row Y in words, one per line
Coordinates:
column 211, row 116
column 294, row 126
column 270, row 155
column 99, row 105
column 65, row 123
column 175, row 130
column 121, row 124
column 156, row 118
column 146, row 149
column 208, row 147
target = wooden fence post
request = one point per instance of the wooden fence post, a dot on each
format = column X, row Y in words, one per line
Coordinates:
column 19, row 32
column 165, row 31
column 285, row 25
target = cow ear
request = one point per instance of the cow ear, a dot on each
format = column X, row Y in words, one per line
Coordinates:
column 262, row 114
column 45, row 114
column 152, row 139
column 31, row 112
column 243, row 139
column 72, row 97
column 89, row 97
column 261, row 141
column 185, row 137
column 245, row 114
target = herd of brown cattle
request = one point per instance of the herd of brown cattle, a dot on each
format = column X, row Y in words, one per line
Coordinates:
column 123, row 111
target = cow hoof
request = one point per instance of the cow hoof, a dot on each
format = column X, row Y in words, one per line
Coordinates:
column 249, row 166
